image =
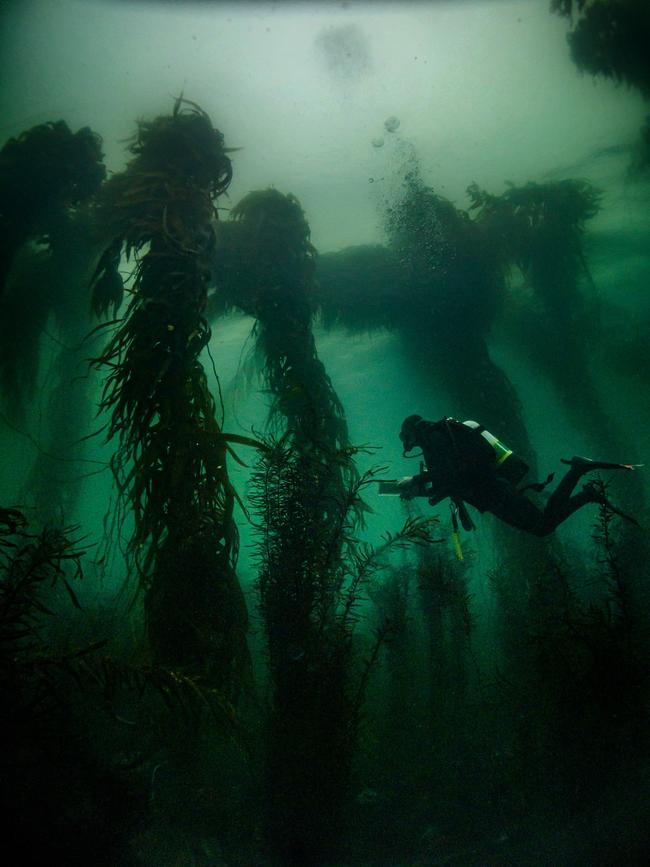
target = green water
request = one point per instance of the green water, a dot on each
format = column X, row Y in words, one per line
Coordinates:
column 385, row 704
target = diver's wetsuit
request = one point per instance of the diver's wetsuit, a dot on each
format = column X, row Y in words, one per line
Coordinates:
column 462, row 465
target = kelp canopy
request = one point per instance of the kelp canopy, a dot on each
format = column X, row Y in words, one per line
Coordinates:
column 264, row 263
column 450, row 268
column 438, row 284
column 171, row 458
column 438, row 271
column 540, row 228
column 610, row 38
column 181, row 150
column 43, row 172
column 48, row 177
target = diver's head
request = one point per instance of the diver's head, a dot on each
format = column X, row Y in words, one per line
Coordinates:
column 408, row 433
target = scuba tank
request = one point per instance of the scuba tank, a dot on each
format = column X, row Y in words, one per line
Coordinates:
column 509, row 465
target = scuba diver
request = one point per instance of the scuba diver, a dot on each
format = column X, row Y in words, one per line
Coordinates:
column 468, row 464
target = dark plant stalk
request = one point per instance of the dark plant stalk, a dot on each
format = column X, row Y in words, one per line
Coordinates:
column 313, row 573
column 171, row 461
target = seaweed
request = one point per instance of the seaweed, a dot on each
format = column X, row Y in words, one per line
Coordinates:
column 44, row 172
column 81, row 722
column 314, row 572
column 540, row 229
column 264, row 262
column 48, row 178
column 171, row 461
column 610, row 38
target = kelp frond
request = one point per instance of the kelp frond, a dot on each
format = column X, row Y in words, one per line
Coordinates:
column 313, row 568
column 44, row 172
column 33, row 672
column 539, row 228
column 171, row 459
column 179, row 167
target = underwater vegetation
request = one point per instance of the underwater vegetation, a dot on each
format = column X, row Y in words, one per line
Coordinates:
column 44, row 172
column 171, row 458
column 61, row 675
column 314, row 572
column 438, row 284
column 48, row 178
column 264, row 265
column 540, row 230
column 609, row 38
column 366, row 698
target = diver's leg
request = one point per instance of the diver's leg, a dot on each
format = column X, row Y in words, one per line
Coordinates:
column 561, row 504
column 504, row 501
column 559, row 508
column 501, row 499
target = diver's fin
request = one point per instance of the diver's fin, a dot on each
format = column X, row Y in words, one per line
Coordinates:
column 587, row 465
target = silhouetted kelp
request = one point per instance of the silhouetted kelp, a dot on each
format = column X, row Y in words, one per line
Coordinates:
column 610, row 38
column 540, row 229
column 44, row 172
column 264, row 265
column 438, row 284
column 48, row 177
column 313, row 572
column 584, row 700
column 171, row 461
column 75, row 769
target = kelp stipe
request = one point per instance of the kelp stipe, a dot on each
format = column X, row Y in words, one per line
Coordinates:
column 313, row 570
column 540, row 230
column 171, row 460
column 264, row 265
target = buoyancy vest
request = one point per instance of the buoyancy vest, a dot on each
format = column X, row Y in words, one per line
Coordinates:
column 459, row 453
column 509, row 465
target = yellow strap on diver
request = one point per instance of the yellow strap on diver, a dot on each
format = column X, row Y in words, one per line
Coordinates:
column 457, row 546
column 455, row 535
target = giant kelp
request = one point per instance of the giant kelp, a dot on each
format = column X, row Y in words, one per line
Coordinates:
column 43, row 172
column 264, row 262
column 171, row 460
column 540, row 229
column 82, row 721
column 313, row 575
column 450, row 289
column 307, row 495
column 583, row 697
column 438, row 284
column 609, row 39
column 48, row 178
